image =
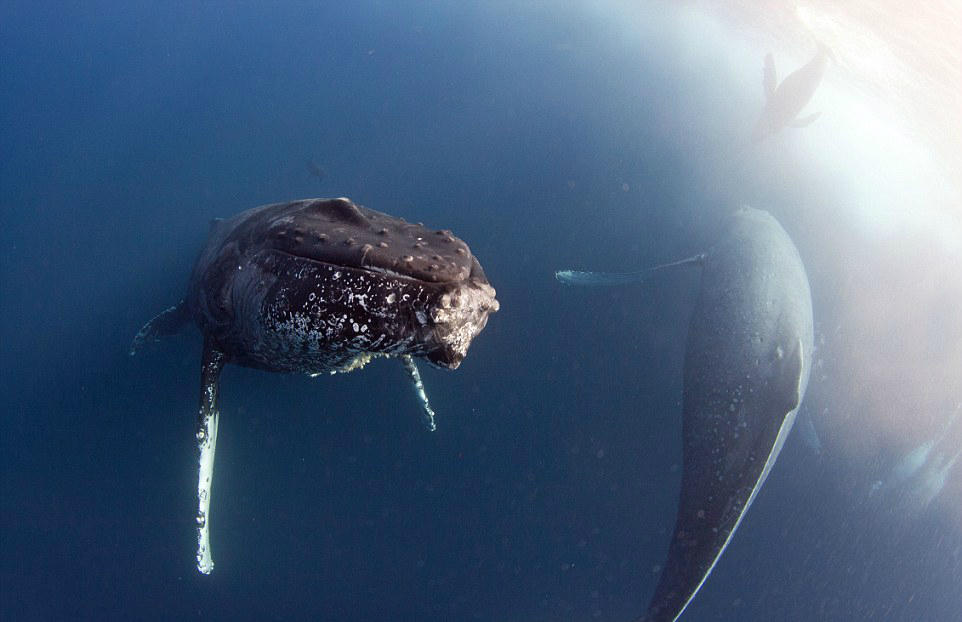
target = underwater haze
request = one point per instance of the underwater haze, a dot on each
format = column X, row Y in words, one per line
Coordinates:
column 600, row 136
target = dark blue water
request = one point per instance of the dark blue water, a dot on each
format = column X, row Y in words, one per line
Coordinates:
column 543, row 137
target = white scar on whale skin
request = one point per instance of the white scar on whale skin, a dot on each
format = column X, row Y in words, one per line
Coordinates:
column 207, row 443
column 412, row 370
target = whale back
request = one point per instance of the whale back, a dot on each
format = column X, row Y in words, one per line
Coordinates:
column 747, row 363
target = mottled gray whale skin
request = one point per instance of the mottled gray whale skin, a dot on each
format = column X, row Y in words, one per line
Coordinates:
column 747, row 362
column 318, row 285
column 322, row 286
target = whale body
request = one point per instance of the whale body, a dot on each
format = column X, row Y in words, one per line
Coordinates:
column 322, row 286
column 747, row 364
column 784, row 102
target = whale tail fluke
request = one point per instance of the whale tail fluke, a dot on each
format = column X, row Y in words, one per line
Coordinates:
column 415, row 376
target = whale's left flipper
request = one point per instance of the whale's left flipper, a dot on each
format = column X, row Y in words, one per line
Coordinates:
column 208, row 416
column 167, row 322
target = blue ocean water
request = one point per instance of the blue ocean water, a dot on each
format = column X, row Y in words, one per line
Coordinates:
column 546, row 135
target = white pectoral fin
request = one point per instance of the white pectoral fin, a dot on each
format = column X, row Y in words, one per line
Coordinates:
column 597, row 279
column 208, row 418
column 415, row 376
column 207, row 443
column 804, row 121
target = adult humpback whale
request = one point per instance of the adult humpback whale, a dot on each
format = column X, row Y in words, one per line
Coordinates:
column 784, row 102
column 747, row 362
column 322, row 285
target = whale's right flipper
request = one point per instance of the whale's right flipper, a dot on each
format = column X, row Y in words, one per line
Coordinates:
column 208, row 416
column 415, row 376
column 167, row 322
column 769, row 77
column 589, row 279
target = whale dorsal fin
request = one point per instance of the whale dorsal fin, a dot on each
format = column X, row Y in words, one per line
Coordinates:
column 769, row 77
column 588, row 279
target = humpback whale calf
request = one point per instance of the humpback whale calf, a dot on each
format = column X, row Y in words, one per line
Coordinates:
column 747, row 363
column 322, row 286
column 784, row 102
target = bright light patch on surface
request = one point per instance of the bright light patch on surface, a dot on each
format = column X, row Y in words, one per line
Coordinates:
column 870, row 193
column 877, row 214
